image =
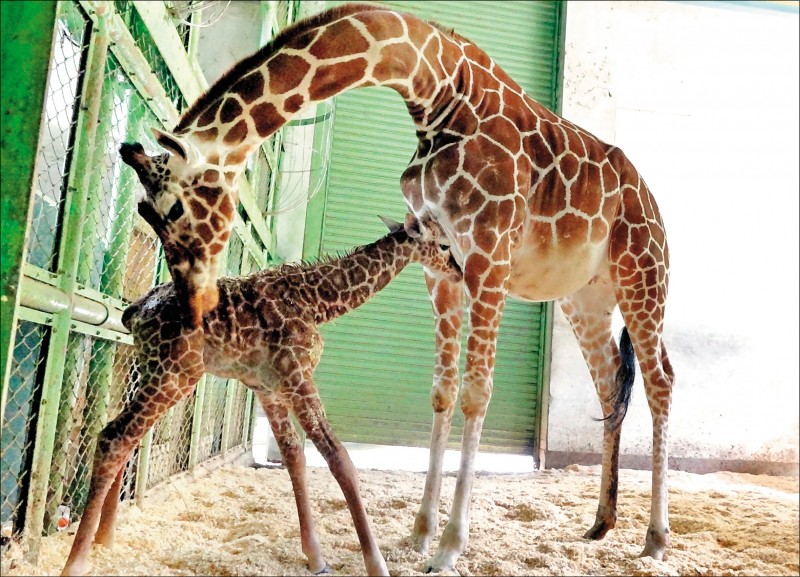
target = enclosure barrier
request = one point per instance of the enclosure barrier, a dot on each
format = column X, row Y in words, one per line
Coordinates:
column 117, row 69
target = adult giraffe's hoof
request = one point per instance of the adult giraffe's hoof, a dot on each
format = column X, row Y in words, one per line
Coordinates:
column 326, row 570
column 431, row 567
column 604, row 521
column 655, row 544
column 598, row 530
column 420, row 543
column 442, row 564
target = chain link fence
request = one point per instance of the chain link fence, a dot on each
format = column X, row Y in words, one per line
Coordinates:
column 57, row 136
column 19, row 425
column 95, row 373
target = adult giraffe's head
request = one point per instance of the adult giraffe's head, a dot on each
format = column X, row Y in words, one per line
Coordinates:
column 189, row 201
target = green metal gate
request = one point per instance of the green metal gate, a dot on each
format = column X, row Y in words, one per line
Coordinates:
column 377, row 368
column 116, row 69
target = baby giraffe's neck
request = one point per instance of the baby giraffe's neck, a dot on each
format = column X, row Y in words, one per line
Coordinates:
column 337, row 286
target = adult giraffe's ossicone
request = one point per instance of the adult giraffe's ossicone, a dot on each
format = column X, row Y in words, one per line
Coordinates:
column 533, row 206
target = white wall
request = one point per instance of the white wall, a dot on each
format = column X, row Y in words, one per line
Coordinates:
column 704, row 100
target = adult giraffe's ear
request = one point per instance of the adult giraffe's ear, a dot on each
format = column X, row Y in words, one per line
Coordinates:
column 175, row 145
column 392, row 225
column 412, row 226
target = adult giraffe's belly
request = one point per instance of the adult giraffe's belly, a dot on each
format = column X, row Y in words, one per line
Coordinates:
column 543, row 273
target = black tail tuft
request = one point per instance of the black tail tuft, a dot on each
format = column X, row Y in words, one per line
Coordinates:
column 625, row 376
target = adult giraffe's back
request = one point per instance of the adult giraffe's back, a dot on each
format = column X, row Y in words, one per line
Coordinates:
column 532, row 205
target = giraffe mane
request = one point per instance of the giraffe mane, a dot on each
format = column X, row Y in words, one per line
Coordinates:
column 449, row 31
column 227, row 80
column 336, row 256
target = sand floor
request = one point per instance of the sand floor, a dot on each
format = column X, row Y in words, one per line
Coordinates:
column 242, row 521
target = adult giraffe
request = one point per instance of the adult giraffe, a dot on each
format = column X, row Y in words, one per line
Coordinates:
column 532, row 205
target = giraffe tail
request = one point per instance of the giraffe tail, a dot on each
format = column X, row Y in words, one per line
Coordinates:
column 625, row 377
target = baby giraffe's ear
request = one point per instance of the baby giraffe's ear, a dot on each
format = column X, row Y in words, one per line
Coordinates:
column 175, row 145
column 412, row 226
column 392, row 225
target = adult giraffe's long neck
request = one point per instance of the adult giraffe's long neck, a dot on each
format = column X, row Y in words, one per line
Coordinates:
column 348, row 47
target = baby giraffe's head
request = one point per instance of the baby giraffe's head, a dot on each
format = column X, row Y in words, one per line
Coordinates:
column 189, row 201
column 430, row 246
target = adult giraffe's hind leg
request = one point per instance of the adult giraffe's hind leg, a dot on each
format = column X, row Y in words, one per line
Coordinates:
column 295, row 461
column 159, row 389
column 589, row 312
column 640, row 272
column 447, row 298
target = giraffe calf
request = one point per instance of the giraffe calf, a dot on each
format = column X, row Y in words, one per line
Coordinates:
column 264, row 332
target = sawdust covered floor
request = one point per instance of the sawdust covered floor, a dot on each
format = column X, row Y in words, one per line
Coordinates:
column 242, row 521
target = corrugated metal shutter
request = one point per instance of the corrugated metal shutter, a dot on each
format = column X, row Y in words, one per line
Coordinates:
column 377, row 367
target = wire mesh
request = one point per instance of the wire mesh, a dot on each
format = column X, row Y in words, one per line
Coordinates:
column 210, row 443
column 119, row 258
column 238, row 414
column 121, row 250
column 67, row 68
column 169, row 450
column 144, row 42
column 19, row 423
column 98, row 380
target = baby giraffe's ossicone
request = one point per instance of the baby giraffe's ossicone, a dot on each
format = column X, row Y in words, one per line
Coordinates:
column 264, row 332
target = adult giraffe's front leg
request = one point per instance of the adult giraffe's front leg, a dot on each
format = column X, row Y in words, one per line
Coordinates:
column 447, row 298
column 486, row 290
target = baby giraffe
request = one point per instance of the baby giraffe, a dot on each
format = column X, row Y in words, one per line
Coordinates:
column 264, row 332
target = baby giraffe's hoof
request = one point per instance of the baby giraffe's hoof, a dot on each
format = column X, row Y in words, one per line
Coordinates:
column 326, row 570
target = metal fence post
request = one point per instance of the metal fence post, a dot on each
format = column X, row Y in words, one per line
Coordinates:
column 93, row 395
column 75, row 203
column 143, row 467
column 230, row 393
column 58, row 466
column 197, row 422
column 247, row 421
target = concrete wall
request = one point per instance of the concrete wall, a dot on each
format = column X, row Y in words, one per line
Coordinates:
column 704, row 100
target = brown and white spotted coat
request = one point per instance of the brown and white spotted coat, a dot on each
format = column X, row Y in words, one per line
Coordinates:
column 533, row 205
column 264, row 332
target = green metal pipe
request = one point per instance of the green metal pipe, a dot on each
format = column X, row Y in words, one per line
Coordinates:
column 46, row 298
column 67, row 268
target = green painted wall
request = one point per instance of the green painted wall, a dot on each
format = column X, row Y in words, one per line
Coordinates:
column 375, row 374
column 26, row 37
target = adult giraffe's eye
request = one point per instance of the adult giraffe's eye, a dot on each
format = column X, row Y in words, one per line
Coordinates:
column 444, row 246
column 175, row 212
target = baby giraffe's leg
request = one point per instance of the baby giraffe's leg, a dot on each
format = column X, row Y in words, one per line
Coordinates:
column 309, row 411
column 293, row 457
column 108, row 514
column 158, row 391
